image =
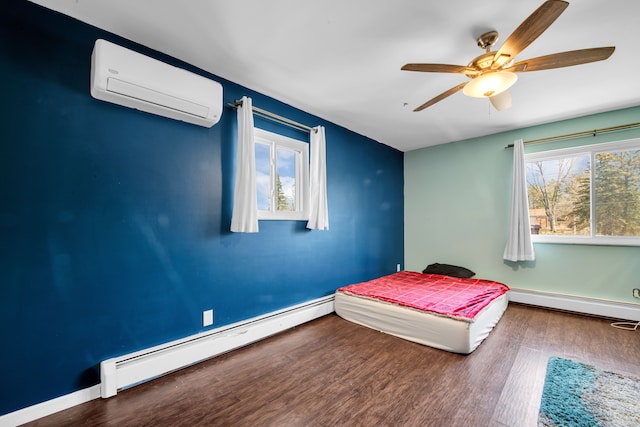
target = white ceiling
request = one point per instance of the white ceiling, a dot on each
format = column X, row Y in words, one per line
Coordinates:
column 340, row 59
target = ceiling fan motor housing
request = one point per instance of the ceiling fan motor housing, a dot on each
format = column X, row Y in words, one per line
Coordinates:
column 483, row 61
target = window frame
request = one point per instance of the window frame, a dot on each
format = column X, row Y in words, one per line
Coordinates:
column 276, row 140
column 590, row 150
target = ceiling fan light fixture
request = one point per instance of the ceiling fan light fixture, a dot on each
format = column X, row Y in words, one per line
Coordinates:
column 501, row 101
column 490, row 84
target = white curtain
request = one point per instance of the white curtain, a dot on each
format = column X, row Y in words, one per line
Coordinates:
column 318, row 209
column 245, row 206
column 519, row 247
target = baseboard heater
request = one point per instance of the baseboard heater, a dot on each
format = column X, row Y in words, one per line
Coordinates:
column 129, row 370
column 590, row 306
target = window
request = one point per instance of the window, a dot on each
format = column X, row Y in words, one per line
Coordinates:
column 282, row 176
column 588, row 194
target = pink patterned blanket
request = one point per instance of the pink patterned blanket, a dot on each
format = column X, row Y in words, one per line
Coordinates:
column 444, row 295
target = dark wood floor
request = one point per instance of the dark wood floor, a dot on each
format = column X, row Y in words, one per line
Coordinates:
column 331, row 372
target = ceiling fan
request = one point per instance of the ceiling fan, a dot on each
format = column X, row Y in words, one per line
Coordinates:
column 494, row 72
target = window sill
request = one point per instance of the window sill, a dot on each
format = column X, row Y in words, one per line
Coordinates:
column 293, row 216
column 579, row 240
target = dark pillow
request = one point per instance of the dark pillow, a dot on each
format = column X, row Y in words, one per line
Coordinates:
column 448, row 270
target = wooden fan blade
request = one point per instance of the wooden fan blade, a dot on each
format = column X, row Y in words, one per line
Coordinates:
column 563, row 59
column 441, row 96
column 439, row 68
column 529, row 30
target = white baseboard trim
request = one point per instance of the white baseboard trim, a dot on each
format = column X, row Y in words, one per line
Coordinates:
column 177, row 354
column 34, row 412
column 591, row 306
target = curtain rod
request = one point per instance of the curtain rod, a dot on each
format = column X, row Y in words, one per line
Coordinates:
column 274, row 117
column 579, row 134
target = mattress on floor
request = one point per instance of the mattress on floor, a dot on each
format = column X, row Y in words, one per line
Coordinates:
column 458, row 327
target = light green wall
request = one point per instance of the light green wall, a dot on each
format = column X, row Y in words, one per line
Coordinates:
column 457, row 199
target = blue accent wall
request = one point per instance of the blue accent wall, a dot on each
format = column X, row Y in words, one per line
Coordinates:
column 114, row 223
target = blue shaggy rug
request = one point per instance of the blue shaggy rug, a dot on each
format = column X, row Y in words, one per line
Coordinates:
column 577, row 395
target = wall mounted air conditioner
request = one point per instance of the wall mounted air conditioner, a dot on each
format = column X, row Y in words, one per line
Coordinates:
column 128, row 78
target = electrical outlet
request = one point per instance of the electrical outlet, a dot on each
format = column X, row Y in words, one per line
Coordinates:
column 636, row 293
column 207, row 318
column 397, row 267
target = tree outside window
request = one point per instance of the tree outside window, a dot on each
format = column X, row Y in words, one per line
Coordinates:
column 591, row 191
column 282, row 176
